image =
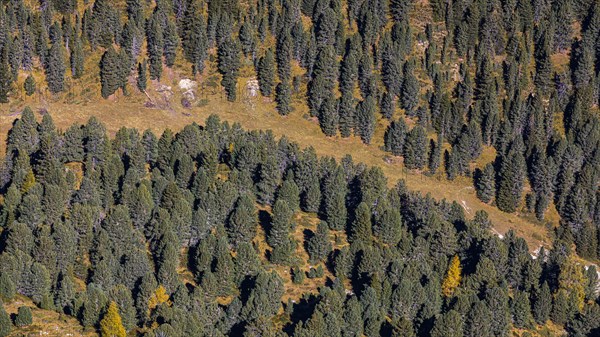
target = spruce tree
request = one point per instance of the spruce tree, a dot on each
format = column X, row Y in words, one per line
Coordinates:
column 55, row 69
column 511, row 179
column 365, row 119
column 110, row 72
column 5, row 76
column 24, row 317
column 5, row 322
column 142, row 80
column 415, row 148
column 485, row 183
column 395, row 136
column 328, row 116
column 29, row 85
column 266, row 73
column 283, row 98
column 194, row 38
column 319, row 246
column 228, row 57
column 346, row 112
column 410, row 88
column 334, row 200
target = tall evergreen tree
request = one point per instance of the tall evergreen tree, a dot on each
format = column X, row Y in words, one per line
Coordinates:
column 229, row 66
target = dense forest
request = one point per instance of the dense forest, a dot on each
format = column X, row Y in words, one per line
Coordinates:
column 205, row 232
column 160, row 236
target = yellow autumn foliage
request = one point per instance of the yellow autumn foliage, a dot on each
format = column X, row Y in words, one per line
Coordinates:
column 453, row 277
column 111, row 325
column 160, row 296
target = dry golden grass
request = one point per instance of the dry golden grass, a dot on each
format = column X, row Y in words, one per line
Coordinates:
column 46, row 322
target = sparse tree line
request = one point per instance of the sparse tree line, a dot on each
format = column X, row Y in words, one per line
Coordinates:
column 361, row 60
column 158, row 235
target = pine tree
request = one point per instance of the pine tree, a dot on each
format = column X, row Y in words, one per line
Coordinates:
column 361, row 229
column 323, row 79
column 485, row 184
column 453, row 277
column 242, row 221
column 346, row 112
column 141, row 76
column 55, row 69
column 365, row 119
column 521, row 310
column 110, row 72
column 410, row 88
column 511, row 179
column 29, row 85
column 77, row 58
column 5, row 76
column 395, row 137
column 415, row 148
column 194, row 38
column 319, row 246
column 24, row 317
column 5, row 323
column 334, row 200
column 111, row 325
column 155, row 44
column 266, row 73
column 328, row 116
column 283, row 98
column 229, row 66
column 542, row 304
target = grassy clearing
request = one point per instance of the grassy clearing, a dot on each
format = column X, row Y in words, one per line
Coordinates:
column 45, row 322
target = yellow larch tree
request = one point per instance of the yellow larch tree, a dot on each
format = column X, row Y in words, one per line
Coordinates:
column 111, row 325
column 453, row 277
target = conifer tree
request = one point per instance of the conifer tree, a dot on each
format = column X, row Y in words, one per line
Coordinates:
column 77, row 58
column 346, row 112
column 155, row 42
column 395, row 136
column 485, row 184
column 542, row 304
column 266, row 73
column 5, row 323
column 453, row 277
column 361, row 229
column 194, row 38
column 55, row 69
column 283, row 98
column 510, row 185
column 24, row 317
column 142, row 80
column 229, row 66
column 110, row 72
column 365, row 119
column 111, row 325
column 5, row 76
column 415, row 148
column 319, row 246
column 410, row 88
column 328, row 116
column 334, row 200
column 521, row 310
column 242, row 221
column 29, row 85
